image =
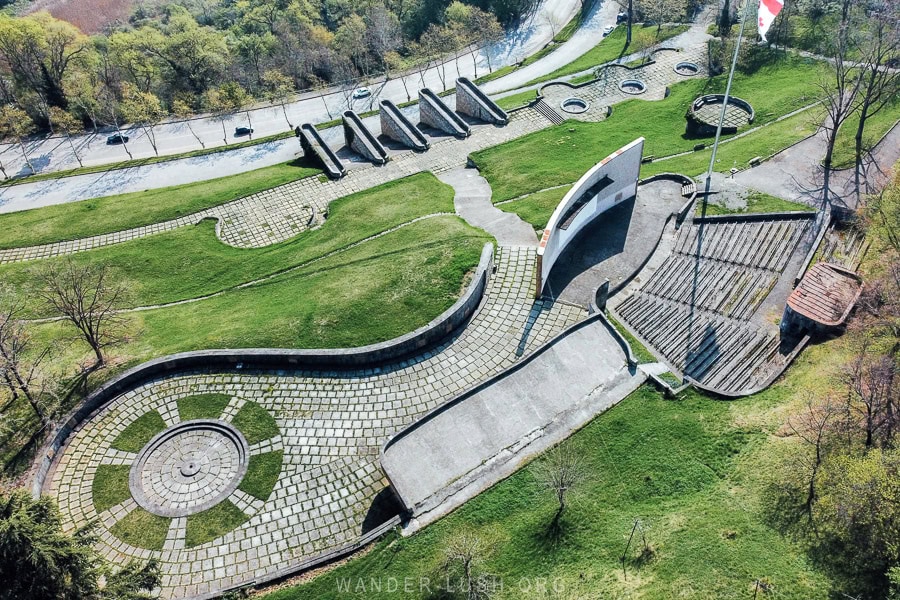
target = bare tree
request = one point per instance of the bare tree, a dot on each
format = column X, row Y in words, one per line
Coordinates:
column 464, row 554
column 560, row 471
column 87, row 297
column 872, row 395
column 814, row 426
column 881, row 84
column 21, row 376
column 184, row 111
column 67, row 124
column 840, row 88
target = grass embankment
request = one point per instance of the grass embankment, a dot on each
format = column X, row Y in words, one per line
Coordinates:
column 613, row 47
column 690, row 469
column 756, row 202
column 876, row 126
column 516, row 100
column 561, row 154
column 202, row 406
column 116, row 213
column 191, row 261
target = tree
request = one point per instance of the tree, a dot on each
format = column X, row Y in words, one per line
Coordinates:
column 109, row 109
column 463, row 557
column 383, row 34
column 66, row 123
column 814, row 425
column 142, row 108
column 87, row 297
column 662, row 11
column 184, row 111
column 560, row 471
column 40, row 562
column 15, row 124
column 20, row 363
column 278, row 89
column 435, row 42
column 858, row 516
column 234, row 98
column 485, row 30
column 881, row 84
column 839, row 91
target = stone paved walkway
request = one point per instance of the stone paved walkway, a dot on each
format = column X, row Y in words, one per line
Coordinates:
column 332, row 426
column 605, row 91
column 280, row 213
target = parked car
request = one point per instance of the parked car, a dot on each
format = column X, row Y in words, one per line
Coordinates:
column 117, row 138
column 239, row 131
column 622, row 17
column 362, row 92
column 608, row 30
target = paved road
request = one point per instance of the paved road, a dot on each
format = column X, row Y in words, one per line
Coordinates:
column 54, row 153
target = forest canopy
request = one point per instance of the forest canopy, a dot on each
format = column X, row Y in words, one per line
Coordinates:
column 208, row 55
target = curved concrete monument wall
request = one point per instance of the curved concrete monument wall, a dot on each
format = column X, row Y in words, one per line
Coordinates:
column 610, row 182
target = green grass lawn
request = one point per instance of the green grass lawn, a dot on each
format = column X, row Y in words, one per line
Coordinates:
column 757, row 202
column 612, row 47
column 561, row 154
column 202, row 406
column 689, row 469
column 516, row 100
column 536, row 208
column 206, row 526
column 142, row 529
column 110, row 486
column 262, row 473
column 255, row 423
column 116, row 213
column 140, row 431
column 191, row 261
column 876, row 126
column 638, row 349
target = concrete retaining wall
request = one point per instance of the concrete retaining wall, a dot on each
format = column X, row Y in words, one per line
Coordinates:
column 433, row 112
column 314, row 146
column 396, row 126
column 277, row 358
column 618, row 175
column 361, row 140
column 473, row 102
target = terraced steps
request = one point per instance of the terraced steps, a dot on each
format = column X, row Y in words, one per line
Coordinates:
column 547, row 110
column 696, row 308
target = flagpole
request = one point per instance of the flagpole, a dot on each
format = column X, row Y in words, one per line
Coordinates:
column 737, row 46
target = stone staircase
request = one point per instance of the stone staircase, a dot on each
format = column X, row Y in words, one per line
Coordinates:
column 696, row 308
column 548, row 111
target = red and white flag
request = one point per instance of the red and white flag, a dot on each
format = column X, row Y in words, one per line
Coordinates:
column 768, row 10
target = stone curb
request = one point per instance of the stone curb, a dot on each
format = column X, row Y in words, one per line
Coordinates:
column 371, row 356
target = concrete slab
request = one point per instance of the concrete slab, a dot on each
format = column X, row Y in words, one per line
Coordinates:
column 487, row 433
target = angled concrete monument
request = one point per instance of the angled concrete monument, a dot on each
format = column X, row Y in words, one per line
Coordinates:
column 433, row 112
column 314, row 147
column 396, row 126
column 473, row 102
column 360, row 139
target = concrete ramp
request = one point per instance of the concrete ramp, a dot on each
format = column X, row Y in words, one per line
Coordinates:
column 484, row 435
column 396, row 126
column 360, row 139
column 433, row 112
column 314, row 146
column 473, row 102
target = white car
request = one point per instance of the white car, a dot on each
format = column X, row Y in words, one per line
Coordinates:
column 362, row 92
column 608, row 30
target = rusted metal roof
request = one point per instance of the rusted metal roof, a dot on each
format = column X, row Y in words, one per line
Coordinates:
column 826, row 294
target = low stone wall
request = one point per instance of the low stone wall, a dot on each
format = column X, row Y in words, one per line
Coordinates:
column 396, row 126
column 361, row 140
column 473, row 102
column 433, row 112
column 277, row 358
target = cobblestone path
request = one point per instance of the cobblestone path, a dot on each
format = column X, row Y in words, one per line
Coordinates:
column 332, row 426
column 282, row 212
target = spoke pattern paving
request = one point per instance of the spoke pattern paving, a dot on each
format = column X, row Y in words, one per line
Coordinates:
column 332, row 427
